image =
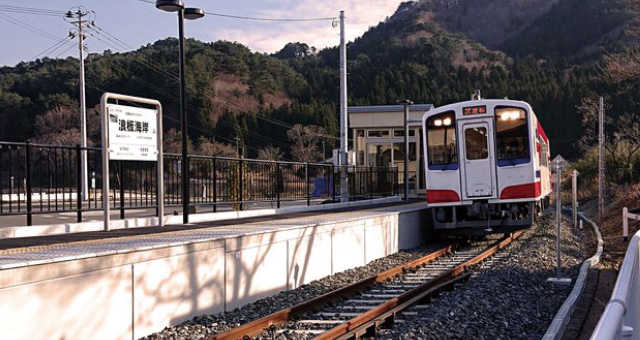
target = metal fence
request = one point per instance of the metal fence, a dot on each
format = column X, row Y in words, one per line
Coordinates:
column 39, row 179
column 621, row 317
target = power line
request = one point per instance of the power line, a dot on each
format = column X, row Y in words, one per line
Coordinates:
column 270, row 19
column 214, row 96
column 31, row 10
column 152, row 65
column 28, row 27
column 54, row 47
column 257, row 18
column 63, row 52
column 192, row 108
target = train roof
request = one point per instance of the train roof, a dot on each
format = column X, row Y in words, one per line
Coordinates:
column 482, row 102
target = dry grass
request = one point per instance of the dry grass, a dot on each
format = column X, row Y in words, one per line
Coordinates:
column 611, row 225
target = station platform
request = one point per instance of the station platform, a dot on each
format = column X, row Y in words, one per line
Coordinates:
column 129, row 283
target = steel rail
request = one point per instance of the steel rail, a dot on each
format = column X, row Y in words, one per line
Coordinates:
column 407, row 299
column 367, row 327
column 256, row 327
column 374, row 316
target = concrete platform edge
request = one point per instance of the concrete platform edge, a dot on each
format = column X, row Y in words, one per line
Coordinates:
column 66, row 228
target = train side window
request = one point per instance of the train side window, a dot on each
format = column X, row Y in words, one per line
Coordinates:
column 441, row 141
column 475, row 141
column 512, row 136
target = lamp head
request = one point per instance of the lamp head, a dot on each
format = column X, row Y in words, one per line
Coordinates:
column 169, row 5
column 193, row 13
column 404, row 101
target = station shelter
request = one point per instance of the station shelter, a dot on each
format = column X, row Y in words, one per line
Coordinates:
column 378, row 140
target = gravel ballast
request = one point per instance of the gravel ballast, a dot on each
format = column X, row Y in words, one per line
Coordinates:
column 508, row 298
column 207, row 325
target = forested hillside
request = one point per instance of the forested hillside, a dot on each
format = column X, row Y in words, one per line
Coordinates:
column 548, row 53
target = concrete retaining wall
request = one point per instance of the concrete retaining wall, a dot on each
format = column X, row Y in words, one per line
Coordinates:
column 130, row 295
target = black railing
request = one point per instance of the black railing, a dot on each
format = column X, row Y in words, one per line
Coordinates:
column 43, row 179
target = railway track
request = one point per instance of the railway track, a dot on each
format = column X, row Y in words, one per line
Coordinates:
column 359, row 309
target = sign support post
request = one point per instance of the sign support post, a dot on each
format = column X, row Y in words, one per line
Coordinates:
column 136, row 139
column 558, row 279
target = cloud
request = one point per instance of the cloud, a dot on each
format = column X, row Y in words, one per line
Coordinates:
column 272, row 36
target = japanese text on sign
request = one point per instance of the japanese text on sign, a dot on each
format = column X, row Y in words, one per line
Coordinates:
column 132, row 133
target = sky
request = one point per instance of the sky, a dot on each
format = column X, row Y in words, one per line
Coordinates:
column 129, row 24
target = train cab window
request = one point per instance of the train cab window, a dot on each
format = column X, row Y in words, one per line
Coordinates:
column 441, row 141
column 512, row 136
column 476, row 144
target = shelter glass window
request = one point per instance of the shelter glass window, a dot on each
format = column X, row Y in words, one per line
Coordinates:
column 441, row 140
column 512, row 136
column 378, row 133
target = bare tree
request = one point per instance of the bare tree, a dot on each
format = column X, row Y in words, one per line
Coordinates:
column 305, row 140
column 208, row 147
column 622, row 146
column 625, row 67
column 172, row 142
column 58, row 126
column 270, row 152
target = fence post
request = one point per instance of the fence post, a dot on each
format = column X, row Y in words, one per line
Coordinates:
column 278, row 188
column 215, row 181
column 79, row 186
column 396, row 181
column 28, row 183
column 352, row 183
column 306, row 175
column 327, row 177
column 370, row 182
column 121, row 191
column 625, row 224
column 240, row 181
column 333, row 183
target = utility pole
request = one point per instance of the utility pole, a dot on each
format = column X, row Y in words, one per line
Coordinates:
column 406, row 103
column 344, row 129
column 237, row 148
column 601, row 165
column 324, row 153
column 81, row 21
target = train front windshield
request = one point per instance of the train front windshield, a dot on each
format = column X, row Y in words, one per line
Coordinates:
column 512, row 136
column 441, row 141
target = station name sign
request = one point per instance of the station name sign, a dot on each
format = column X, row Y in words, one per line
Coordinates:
column 133, row 133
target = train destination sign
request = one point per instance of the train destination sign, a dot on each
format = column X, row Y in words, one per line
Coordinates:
column 133, row 133
column 474, row 110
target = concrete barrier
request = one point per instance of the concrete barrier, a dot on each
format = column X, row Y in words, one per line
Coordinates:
column 129, row 293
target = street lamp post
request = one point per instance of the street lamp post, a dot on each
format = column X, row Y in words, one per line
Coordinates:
column 406, row 103
column 190, row 14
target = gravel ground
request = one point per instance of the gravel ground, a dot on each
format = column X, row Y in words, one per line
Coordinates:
column 206, row 325
column 509, row 297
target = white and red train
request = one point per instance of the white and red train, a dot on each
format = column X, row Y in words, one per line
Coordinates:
column 487, row 166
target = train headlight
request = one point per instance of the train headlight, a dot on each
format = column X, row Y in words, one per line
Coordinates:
column 447, row 121
column 438, row 122
column 515, row 115
column 504, row 117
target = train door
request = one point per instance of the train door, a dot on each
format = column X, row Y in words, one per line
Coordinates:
column 478, row 162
